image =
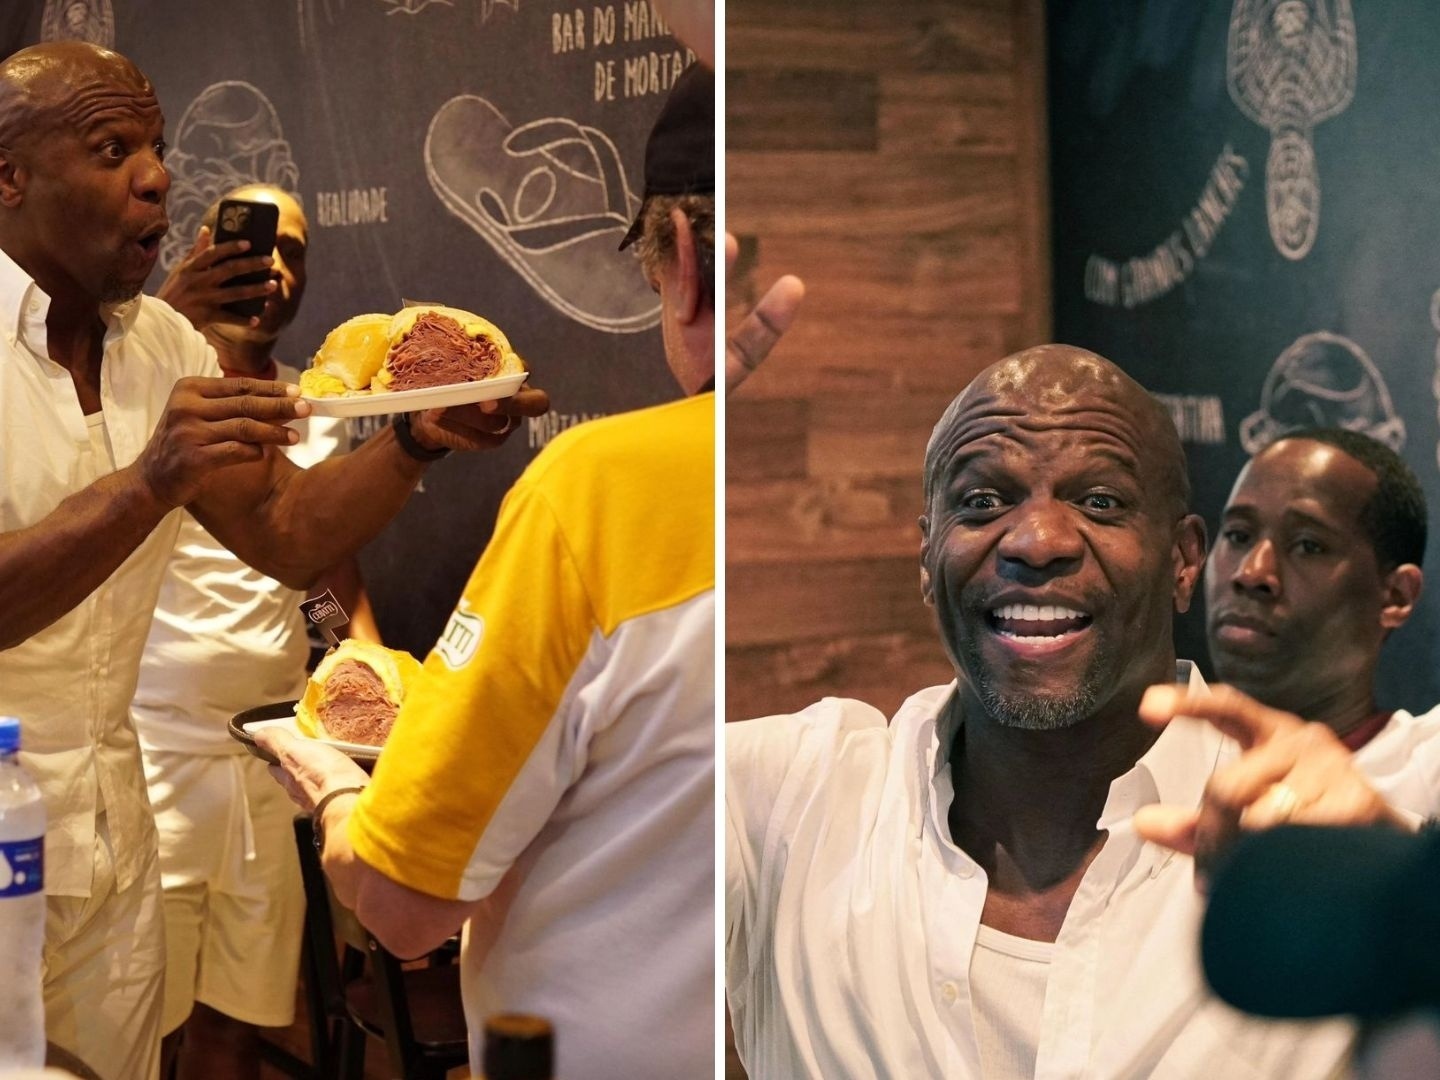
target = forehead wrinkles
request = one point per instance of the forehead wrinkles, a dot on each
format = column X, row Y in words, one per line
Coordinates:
column 91, row 103
column 1000, row 415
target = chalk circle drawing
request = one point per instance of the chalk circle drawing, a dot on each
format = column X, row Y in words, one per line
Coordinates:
column 1323, row 380
column 78, row 20
column 230, row 135
column 1290, row 65
column 551, row 198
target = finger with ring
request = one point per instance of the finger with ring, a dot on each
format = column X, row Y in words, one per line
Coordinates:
column 1284, row 801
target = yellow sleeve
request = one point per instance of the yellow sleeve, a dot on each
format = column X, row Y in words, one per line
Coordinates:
column 614, row 520
column 492, row 685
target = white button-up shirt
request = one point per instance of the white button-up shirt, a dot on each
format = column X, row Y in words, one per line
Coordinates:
column 1402, row 762
column 71, row 683
column 851, row 917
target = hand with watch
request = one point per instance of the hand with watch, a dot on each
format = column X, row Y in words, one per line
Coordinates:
column 318, row 814
column 432, row 434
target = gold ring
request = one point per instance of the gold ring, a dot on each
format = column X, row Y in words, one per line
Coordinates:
column 1284, row 801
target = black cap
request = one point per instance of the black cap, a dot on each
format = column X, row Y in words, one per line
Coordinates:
column 680, row 154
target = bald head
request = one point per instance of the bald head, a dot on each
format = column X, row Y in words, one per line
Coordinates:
column 1059, row 382
column 61, row 83
column 82, row 176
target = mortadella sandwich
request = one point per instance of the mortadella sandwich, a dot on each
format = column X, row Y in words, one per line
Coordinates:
column 355, row 692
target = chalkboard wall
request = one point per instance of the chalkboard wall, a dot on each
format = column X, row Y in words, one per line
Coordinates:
column 1246, row 207
column 481, row 153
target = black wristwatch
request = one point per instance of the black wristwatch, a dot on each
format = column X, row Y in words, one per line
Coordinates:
column 406, row 438
column 318, row 815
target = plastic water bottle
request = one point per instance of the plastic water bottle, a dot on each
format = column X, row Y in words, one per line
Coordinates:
column 22, row 907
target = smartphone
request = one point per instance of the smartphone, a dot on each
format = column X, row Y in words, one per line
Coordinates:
column 238, row 219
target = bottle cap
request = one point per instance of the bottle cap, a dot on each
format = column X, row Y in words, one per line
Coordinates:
column 518, row 1047
column 9, row 734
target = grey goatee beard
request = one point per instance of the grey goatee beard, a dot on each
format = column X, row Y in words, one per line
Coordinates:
column 1037, row 712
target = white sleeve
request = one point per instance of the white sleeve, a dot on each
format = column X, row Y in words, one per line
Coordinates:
column 767, row 762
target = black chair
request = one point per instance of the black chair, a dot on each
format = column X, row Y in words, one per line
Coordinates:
column 415, row 1011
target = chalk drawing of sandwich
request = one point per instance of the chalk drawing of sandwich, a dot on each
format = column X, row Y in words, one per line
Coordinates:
column 551, row 198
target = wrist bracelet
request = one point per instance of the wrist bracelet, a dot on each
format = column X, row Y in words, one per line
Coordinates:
column 318, row 814
column 406, row 438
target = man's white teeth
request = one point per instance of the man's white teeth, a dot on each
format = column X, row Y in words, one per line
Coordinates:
column 1036, row 613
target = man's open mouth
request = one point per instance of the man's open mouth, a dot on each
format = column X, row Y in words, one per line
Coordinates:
column 1037, row 623
column 149, row 240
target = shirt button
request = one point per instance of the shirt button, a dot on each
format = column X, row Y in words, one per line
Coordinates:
column 966, row 871
column 949, row 991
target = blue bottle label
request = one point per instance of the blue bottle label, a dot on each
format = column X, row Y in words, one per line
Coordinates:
column 22, row 866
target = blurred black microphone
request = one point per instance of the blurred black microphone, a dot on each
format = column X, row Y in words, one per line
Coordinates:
column 1306, row 922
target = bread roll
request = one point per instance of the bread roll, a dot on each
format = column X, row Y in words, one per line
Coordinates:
column 350, row 354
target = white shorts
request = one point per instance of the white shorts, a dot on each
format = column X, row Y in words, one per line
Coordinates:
column 234, row 903
column 104, row 966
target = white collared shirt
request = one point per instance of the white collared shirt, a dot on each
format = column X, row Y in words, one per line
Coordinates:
column 851, row 917
column 71, row 683
column 1402, row 761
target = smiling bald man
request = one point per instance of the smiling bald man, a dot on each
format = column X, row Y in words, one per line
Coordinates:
column 960, row 891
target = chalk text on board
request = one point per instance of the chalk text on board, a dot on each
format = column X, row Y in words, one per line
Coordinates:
column 1150, row 276
column 544, row 428
column 357, row 206
column 638, row 21
column 1199, row 418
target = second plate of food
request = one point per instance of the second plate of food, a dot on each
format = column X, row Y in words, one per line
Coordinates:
column 282, row 715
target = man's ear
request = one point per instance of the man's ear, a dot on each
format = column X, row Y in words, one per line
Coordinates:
column 927, row 589
column 1401, row 591
column 686, row 269
column 1188, row 558
column 13, row 176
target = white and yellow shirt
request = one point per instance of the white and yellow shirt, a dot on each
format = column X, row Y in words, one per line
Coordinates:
column 563, row 735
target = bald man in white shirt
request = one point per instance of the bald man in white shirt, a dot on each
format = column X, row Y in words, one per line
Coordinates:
column 968, row 890
column 113, row 415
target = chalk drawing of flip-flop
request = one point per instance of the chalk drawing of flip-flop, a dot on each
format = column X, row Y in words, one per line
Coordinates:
column 551, row 198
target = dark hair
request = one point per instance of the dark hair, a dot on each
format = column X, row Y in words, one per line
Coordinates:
column 1395, row 517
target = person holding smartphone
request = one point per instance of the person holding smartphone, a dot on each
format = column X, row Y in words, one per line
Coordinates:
column 114, row 415
column 224, row 637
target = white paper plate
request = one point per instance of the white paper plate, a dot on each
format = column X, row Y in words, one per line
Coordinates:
column 431, row 397
column 356, row 751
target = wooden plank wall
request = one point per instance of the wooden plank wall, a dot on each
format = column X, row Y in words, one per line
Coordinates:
column 892, row 155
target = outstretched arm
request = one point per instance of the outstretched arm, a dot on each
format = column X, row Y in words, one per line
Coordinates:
column 406, row 921
column 294, row 524
column 209, row 426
